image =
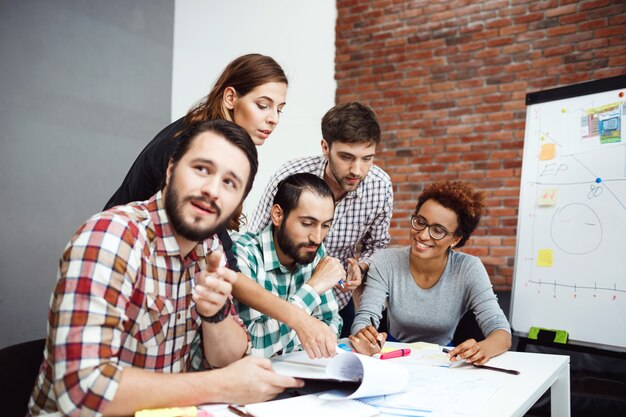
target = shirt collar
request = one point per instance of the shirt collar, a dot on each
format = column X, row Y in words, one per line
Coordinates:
column 270, row 257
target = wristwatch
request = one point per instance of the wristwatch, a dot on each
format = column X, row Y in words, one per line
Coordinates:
column 221, row 314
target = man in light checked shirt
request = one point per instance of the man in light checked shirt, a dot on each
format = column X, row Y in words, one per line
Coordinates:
column 362, row 192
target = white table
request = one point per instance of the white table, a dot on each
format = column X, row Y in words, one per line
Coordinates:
column 538, row 373
column 517, row 393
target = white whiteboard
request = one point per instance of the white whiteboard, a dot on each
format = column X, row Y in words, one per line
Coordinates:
column 570, row 265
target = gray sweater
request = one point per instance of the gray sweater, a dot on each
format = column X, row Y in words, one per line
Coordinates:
column 415, row 314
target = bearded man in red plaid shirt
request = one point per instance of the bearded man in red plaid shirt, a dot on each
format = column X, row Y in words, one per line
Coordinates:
column 138, row 282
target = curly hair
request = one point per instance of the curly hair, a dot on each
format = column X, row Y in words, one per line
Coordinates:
column 459, row 197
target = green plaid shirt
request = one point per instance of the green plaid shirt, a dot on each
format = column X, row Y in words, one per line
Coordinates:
column 256, row 256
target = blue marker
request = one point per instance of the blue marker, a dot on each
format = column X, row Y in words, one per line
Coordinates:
column 345, row 347
column 598, row 180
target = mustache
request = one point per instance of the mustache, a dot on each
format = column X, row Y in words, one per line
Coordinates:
column 205, row 201
column 306, row 245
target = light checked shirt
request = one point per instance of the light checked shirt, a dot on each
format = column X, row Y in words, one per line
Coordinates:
column 122, row 299
column 361, row 217
column 257, row 258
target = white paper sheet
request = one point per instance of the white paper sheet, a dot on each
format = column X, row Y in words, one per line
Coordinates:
column 376, row 377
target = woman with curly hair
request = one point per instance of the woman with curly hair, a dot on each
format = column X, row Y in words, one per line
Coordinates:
column 429, row 286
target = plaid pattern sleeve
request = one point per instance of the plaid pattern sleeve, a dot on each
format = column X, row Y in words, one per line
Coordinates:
column 377, row 236
column 257, row 259
column 86, row 315
column 122, row 298
column 362, row 217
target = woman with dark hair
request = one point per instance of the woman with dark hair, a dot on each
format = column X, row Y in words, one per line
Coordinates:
column 429, row 286
column 251, row 93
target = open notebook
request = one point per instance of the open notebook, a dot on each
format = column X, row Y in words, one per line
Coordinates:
column 373, row 376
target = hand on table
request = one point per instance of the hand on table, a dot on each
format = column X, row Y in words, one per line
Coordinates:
column 470, row 351
column 252, row 380
column 365, row 341
column 316, row 337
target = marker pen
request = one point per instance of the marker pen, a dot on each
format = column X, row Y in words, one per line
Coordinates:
column 345, row 347
column 396, row 354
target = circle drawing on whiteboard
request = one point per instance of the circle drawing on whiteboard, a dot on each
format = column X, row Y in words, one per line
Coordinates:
column 576, row 229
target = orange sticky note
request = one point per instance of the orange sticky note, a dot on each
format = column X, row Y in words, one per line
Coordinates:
column 547, row 151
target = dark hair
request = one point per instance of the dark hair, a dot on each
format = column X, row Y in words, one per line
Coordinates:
column 290, row 189
column 459, row 197
column 229, row 131
column 351, row 123
column 243, row 74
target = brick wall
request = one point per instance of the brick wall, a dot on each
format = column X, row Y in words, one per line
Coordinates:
column 448, row 81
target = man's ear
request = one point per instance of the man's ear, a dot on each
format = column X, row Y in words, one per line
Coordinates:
column 325, row 148
column 168, row 172
column 276, row 215
column 229, row 98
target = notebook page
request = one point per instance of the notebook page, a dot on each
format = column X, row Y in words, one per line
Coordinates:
column 311, row 406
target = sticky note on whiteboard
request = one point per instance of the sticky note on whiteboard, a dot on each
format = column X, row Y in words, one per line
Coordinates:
column 547, row 197
column 547, row 151
column 544, row 257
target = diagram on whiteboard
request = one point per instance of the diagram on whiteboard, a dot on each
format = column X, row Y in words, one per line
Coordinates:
column 570, row 269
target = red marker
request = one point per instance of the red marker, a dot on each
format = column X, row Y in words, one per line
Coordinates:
column 396, row 354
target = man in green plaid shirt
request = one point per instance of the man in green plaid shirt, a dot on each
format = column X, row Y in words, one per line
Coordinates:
column 289, row 259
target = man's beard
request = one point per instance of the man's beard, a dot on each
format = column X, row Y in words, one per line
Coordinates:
column 290, row 248
column 342, row 181
column 173, row 208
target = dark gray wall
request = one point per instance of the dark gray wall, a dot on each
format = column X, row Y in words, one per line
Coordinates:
column 84, row 85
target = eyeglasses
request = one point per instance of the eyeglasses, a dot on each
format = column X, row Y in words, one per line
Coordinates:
column 435, row 231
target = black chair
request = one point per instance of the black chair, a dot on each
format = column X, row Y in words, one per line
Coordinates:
column 19, row 366
column 468, row 327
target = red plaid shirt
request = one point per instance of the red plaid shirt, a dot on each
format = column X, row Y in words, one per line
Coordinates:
column 123, row 298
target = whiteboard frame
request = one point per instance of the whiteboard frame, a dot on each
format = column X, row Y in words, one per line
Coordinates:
column 571, row 91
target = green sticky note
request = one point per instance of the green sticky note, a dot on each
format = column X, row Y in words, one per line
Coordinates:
column 555, row 336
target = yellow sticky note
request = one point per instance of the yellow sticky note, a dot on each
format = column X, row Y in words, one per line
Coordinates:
column 547, row 151
column 547, row 197
column 413, row 346
column 168, row 412
column 423, row 346
column 544, row 257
